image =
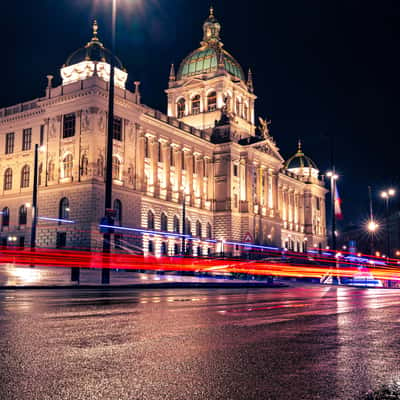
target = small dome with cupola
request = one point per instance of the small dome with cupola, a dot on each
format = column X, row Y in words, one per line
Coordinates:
column 93, row 59
column 301, row 164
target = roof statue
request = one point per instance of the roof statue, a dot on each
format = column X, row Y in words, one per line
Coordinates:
column 264, row 127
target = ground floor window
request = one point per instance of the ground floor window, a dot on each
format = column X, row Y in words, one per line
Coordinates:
column 151, row 246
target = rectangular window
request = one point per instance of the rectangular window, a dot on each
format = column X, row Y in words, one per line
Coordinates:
column 26, row 139
column 160, row 153
column 146, row 147
column 235, row 170
column 171, row 157
column 10, row 143
column 41, row 140
column 194, row 165
column 117, row 128
column 69, row 125
column 318, row 204
column 183, row 166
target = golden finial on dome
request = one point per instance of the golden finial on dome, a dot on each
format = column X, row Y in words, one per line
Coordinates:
column 95, row 29
column 299, row 149
column 211, row 11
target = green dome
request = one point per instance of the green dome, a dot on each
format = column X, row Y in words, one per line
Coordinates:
column 205, row 60
column 210, row 56
column 300, row 160
column 93, row 51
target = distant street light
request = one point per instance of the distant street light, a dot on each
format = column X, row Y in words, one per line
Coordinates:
column 372, row 226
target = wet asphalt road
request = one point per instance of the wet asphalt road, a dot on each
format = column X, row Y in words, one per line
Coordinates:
column 288, row 343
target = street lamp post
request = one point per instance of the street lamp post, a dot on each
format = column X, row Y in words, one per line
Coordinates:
column 34, row 197
column 105, row 273
column 386, row 195
column 333, row 178
column 372, row 226
column 183, row 221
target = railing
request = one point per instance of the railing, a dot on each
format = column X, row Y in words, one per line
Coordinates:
column 29, row 105
column 176, row 123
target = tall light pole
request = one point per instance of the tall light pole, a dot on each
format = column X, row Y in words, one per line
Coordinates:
column 34, row 196
column 386, row 195
column 333, row 178
column 183, row 220
column 372, row 225
column 105, row 273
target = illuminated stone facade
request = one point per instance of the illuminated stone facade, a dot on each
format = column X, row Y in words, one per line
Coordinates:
column 207, row 151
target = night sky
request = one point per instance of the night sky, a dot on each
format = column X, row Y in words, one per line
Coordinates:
column 321, row 69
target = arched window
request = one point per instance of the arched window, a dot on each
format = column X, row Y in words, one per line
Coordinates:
column 164, row 222
column 180, row 108
column 8, row 179
column 22, row 215
column 212, row 101
column 100, row 166
column 198, row 229
column 51, row 170
column 68, row 164
column 63, row 212
column 40, row 173
column 196, row 104
column 84, row 165
column 150, row 220
column 188, row 227
column 176, row 224
column 5, row 217
column 209, row 231
column 151, row 246
column 118, row 212
column 25, row 176
column 116, row 168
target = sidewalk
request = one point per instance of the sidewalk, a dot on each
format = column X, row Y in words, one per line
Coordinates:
column 15, row 277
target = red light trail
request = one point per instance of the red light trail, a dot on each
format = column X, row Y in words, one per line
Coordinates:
column 90, row 259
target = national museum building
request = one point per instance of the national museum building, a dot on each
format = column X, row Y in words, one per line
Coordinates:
column 206, row 152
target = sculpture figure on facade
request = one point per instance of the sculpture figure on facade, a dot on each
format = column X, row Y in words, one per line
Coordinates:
column 264, row 127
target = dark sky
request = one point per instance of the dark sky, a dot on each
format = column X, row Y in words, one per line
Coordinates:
column 321, row 68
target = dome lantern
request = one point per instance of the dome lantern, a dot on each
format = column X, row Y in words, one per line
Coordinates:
column 210, row 57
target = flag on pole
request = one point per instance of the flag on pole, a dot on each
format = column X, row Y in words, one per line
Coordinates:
column 338, row 204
